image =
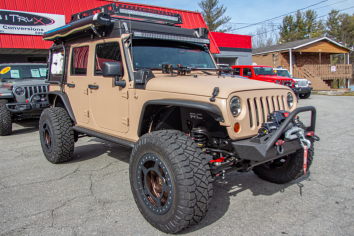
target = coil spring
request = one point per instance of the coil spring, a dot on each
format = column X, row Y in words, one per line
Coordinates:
column 200, row 139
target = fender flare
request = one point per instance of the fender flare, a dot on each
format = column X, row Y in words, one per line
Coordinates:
column 211, row 109
column 51, row 98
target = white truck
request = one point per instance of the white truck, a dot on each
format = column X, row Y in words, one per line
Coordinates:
column 302, row 84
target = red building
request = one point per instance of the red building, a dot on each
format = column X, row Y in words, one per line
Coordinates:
column 22, row 22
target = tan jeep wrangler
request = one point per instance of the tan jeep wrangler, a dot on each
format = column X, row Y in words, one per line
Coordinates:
column 134, row 78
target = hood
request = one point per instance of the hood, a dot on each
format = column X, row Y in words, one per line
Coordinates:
column 299, row 79
column 25, row 82
column 274, row 77
column 204, row 85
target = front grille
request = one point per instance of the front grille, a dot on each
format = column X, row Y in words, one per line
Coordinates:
column 259, row 108
column 30, row 90
column 302, row 83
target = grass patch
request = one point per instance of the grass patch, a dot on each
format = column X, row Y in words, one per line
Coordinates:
column 333, row 93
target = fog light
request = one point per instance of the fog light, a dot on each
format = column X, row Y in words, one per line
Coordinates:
column 36, row 98
column 237, row 127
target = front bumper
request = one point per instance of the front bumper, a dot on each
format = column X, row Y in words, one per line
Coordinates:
column 264, row 149
column 26, row 107
column 305, row 90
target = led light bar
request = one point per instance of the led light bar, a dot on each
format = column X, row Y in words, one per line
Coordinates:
column 170, row 37
column 148, row 14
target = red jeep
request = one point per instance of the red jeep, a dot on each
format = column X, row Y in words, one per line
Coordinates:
column 263, row 73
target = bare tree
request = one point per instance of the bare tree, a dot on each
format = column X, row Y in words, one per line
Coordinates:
column 266, row 35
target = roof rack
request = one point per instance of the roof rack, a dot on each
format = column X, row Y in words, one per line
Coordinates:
column 132, row 12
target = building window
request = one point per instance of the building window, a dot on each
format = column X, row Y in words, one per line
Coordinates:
column 37, row 59
column 79, row 60
column 107, row 52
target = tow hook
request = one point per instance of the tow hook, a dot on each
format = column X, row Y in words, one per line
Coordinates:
column 280, row 148
column 312, row 134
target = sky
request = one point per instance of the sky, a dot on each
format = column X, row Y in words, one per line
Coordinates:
column 255, row 11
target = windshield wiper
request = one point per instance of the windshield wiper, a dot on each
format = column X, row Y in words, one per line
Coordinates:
column 206, row 72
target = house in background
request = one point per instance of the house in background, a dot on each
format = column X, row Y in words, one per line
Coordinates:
column 310, row 59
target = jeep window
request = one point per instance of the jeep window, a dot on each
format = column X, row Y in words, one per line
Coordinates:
column 246, row 70
column 237, row 71
column 79, row 60
column 152, row 54
column 9, row 72
column 284, row 73
column 263, row 71
column 106, row 52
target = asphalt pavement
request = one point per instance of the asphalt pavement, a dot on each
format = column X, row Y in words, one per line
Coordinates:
column 90, row 195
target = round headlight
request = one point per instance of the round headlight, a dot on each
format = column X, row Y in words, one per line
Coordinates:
column 290, row 99
column 19, row 91
column 235, row 106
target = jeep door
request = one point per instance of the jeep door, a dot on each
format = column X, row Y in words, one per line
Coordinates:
column 108, row 103
column 77, row 80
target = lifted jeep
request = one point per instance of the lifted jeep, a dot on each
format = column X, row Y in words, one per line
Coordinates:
column 22, row 93
column 133, row 77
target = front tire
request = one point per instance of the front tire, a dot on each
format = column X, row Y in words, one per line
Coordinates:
column 5, row 119
column 170, row 180
column 285, row 169
column 56, row 135
column 305, row 95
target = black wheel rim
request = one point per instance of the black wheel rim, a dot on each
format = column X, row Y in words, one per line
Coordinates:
column 47, row 137
column 277, row 164
column 155, row 184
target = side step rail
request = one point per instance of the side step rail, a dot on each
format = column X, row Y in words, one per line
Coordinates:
column 104, row 136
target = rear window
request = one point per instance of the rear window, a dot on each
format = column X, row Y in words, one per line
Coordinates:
column 23, row 71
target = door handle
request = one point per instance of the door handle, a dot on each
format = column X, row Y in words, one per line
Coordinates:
column 91, row 86
column 71, row 85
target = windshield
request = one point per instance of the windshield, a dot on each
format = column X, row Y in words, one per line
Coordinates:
column 8, row 72
column 284, row 73
column 152, row 54
column 263, row 71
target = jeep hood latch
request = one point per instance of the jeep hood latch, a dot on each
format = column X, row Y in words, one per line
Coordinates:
column 215, row 93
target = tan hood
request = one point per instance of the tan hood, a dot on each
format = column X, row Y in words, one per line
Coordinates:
column 204, row 85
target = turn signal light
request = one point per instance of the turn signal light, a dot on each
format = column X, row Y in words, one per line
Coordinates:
column 237, row 127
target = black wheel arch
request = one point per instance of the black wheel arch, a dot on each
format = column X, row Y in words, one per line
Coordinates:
column 166, row 106
column 55, row 98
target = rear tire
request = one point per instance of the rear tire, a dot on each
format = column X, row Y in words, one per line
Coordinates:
column 56, row 135
column 174, row 158
column 305, row 95
column 5, row 119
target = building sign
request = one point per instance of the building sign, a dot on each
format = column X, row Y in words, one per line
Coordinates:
column 29, row 23
column 333, row 68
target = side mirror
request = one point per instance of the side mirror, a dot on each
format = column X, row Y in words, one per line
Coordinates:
column 113, row 69
column 249, row 73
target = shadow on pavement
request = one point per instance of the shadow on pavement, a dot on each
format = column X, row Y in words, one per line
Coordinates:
column 100, row 147
column 233, row 185
column 27, row 126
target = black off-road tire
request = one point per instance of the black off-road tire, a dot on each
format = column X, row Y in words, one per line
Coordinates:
column 56, row 135
column 305, row 95
column 5, row 119
column 292, row 169
column 190, row 179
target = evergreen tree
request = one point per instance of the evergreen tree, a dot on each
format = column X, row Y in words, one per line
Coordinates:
column 213, row 15
column 303, row 26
